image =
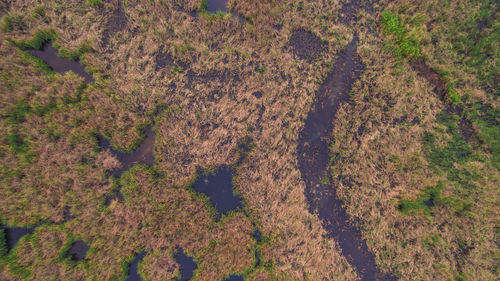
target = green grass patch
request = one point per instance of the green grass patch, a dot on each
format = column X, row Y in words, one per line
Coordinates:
column 406, row 44
column 423, row 203
column 16, row 143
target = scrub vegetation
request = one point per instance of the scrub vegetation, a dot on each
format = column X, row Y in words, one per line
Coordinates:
column 417, row 173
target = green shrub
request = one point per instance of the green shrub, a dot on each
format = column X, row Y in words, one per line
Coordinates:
column 203, row 6
column 94, row 2
column 3, row 243
column 16, row 143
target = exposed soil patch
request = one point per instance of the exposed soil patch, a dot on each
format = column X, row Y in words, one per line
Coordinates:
column 163, row 60
column 187, row 265
column 142, row 155
column 49, row 54
column 117, row 22
column 13, row 234
column 133, row 271
column 306, row 45
column 78, row 250
column 313, row 159
column 218, row 187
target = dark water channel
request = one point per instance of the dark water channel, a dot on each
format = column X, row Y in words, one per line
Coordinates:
column 218, row 187
column 142, row 155
column 13, row 234
column 49, row 54
column 78, row 250
column 187, row 265
column 313, row 156
column 133, row 271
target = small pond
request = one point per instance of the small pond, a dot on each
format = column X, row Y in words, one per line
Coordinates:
column 187, row 265
column 78, row 250
column 133, row 271
column 49, row 54
column 218, row 187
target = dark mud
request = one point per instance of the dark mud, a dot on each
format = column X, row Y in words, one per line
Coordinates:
column 313, row 159
column 306, row 45
column 133, row 271
column 49, row 54
column 235, row 278
column 217, row 5
column 441, row 90
column 142, row 155
column 13, row 234
column 218, row 187
column 163, row 60
column 78, row 250
column 187, row 265
column 117, row 22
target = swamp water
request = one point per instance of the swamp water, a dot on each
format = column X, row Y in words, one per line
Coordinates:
column 218, row 187
column 13, row 234
column 49, row 54
column 313, row 155
column 187, row 265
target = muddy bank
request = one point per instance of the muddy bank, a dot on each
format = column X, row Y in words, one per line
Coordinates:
column 187, row 265
column 49, row 54
column 133, row 271
column 441, row 90
column 78, row 250
column 142, row 155
column 313, row 158
column 218, row 186
column 13, row 234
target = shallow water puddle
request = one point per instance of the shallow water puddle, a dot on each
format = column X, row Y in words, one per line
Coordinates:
column 133, row 271
column 13, row 234
column 217, row 5
column 218, row 187
column 49, row 54
column 187, row 265
column 142, row 155
column 235, row 278
column 78, row 250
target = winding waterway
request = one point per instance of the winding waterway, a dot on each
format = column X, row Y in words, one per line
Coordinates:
column 313, row 156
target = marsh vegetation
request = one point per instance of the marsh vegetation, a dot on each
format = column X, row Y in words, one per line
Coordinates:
column 361, row 140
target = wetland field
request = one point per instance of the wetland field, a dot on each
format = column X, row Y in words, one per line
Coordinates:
column 255, row 140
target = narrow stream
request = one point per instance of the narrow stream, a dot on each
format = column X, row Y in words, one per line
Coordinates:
column 313, row 156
